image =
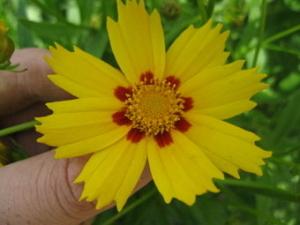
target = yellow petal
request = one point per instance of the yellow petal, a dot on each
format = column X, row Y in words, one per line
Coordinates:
column 196, row 49
column 137, row 40
column 64, row 127
column 228, row 96
column 99, row 167
column 228, row 110
column 134, row 172
column 107, row 189
column 111, row 175
column 209, row 75
column 184, row 188
column 195, row 160
column 73, row 88
column 92, row 164
column 181, row 170
column 85, row 105
column 68, row 135
column 85, row 70
column 159, row 173
column 76, row 119
column 92, row 144
column 224, row 127
column 229, row 147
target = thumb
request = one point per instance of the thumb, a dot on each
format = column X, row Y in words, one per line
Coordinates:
column 40, row 190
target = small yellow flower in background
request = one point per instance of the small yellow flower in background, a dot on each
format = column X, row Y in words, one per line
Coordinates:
column 164, row 108
column 6, row 44
column 3, row 28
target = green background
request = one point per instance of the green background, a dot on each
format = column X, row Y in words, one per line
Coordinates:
column 265, row 33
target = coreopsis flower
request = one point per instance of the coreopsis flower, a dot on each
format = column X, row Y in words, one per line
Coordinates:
column 164, row 108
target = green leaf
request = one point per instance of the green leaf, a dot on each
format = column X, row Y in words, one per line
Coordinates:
column 47, row 9
column 283, row 49
column 288, row 119
column 262, row 189
column 65, row 33
column 86, row 9
column 25, row 38
column 282, row 34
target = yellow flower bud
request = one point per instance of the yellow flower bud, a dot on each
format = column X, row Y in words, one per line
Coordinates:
column 7, row 46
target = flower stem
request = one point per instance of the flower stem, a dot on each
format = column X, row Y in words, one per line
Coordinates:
column 132, row 206
column 17, row 128
column 261, row 31
column 282, row 34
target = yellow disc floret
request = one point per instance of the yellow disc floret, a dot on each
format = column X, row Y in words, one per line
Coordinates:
column 154, row 107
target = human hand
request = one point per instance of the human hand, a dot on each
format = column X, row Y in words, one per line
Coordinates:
column 38, row 190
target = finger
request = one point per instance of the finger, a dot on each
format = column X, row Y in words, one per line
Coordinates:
column 40, row 190
column 19, row 90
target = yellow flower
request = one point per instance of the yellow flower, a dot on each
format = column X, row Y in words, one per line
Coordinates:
column 164, row 108
column 6, row 44
column 3, row 28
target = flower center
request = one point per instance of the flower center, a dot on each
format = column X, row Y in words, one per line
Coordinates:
column 154, row 107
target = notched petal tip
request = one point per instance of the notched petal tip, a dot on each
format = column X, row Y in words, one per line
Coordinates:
column 224, row 36
column 168, row 200
column 119, row 205
column 79, row 179
column 191, row 201
column 208, row 23
column 40, row 140
column 40, row 120
column 236, row 174
column 52, row 48
column 154, row 14
column 50, row 106
column 111, row 24
column 83, row 197
column 259, row 172
column 39, row 129
column 59, row 154
column 268, row 154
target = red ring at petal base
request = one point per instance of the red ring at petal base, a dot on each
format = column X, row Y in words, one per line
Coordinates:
column 147, row 78
column 135, row 135
column 182, row 125
column 163, row 139
column 122, row 93
column 120, row 118
column 173, row 81
column 188, row 103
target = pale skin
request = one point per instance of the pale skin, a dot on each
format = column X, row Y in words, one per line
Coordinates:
column 38, row 190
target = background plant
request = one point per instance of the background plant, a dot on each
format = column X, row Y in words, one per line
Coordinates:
column 266, row 33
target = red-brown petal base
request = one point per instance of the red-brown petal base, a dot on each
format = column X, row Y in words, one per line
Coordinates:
column 122, row 93
column 135, row 135
column 173, row 81
column 182, row 125
column 187, row 104
column 147, row 78
column 120, row 118
column 163, row 139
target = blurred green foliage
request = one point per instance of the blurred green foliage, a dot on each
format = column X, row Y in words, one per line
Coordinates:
column 266, row 33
